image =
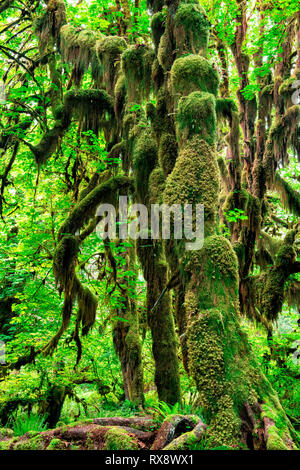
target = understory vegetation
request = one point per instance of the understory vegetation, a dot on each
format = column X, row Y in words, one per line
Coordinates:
column 124, row 344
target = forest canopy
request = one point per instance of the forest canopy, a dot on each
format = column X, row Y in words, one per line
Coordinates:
column 149, row 342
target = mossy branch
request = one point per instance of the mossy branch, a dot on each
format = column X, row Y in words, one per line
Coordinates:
column 290, row 197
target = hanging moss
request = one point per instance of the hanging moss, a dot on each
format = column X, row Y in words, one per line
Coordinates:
column 193, row 73
column 165, row 54
column 196, row 116
column 157, row 76
column 157, row 183
column 87, row 306
column 134, row 123
column 158, row 24
column 117, row 438
column 161, row 120
column 50, row 140
column 225, row 107
column 86, row 208
column 109, row 50
column 94, row 106
column 7, row 135
column 56, row 444
column 293, row 294
column 78, row 49
column 136, row 64
column 290, row 198
column 64, row 262
column 195, row 178
column 155, row 5
column 167, row 152
column 269, row 286
column 191, row 29
column 285, row 88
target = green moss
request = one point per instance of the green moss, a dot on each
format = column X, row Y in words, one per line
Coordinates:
column 78, row 48
column 6, row 445
column 165, row 52
column 195, row 178
column 157, row 76
column 158, row 24
column 289, row 197
column 109, row 50
column 6, row 432
column 218, row 260
column 87, row 305
column 155, row 5
column 167, row 152
column 160, row 119
column 225, row 107
column 191, row 28
column 117, row 438
column 48, row 25
column 196, row 116
column 193, row 73
column 274, row 441
column 93, row 105
column 35, row 443
column 225, row 427
column 56, row 444
column 157, row 184
column 186, row 441
column 285, row 88
column 144, row 160
column 86, row 208
column 64, row 261
column 49, row 141
column 136, row 65
column 120, row 96
column 278, row 432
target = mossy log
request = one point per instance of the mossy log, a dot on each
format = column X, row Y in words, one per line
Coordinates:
column 112, row 434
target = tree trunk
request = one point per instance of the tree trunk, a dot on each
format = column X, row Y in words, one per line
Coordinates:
column 239, row 403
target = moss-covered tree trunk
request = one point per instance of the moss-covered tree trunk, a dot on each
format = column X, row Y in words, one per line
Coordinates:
column 126, row 335
column 239, row 403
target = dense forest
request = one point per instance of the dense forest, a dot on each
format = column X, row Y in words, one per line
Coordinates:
column 149, row 342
